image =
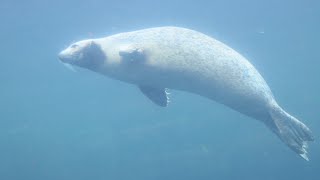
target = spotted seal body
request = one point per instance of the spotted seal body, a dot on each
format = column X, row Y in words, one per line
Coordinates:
column 163, row 58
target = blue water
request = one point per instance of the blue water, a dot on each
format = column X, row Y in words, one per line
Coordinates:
column 56, row 124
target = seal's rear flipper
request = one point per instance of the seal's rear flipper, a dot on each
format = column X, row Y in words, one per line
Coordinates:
column 291, row 131
column 156, row 95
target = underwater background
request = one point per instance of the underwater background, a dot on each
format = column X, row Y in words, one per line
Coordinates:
column 56, row 124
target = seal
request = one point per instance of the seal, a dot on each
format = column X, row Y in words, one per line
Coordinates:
column 157, row 59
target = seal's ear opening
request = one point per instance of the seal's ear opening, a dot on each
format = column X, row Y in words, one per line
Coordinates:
column 93, row 56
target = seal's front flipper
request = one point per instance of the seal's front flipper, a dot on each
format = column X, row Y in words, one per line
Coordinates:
column 156, row 95
column 131, row 53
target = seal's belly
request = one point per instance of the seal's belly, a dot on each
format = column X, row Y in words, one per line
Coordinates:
column 240, row 90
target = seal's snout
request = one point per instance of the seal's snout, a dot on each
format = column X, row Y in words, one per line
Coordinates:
column 60, row 56
column 64, row 56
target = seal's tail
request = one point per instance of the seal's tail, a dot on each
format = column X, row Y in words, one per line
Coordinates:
column 291, row 131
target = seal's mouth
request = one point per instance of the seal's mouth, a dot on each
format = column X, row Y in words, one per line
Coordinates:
column 68, row 57
column 66, row 60
column 65, row 57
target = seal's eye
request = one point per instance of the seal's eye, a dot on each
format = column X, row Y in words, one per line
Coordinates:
column 74, row 46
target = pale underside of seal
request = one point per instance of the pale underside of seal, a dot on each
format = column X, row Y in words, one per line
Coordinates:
column 163, row 58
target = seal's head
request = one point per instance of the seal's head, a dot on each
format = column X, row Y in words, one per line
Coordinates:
column 85, row 54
